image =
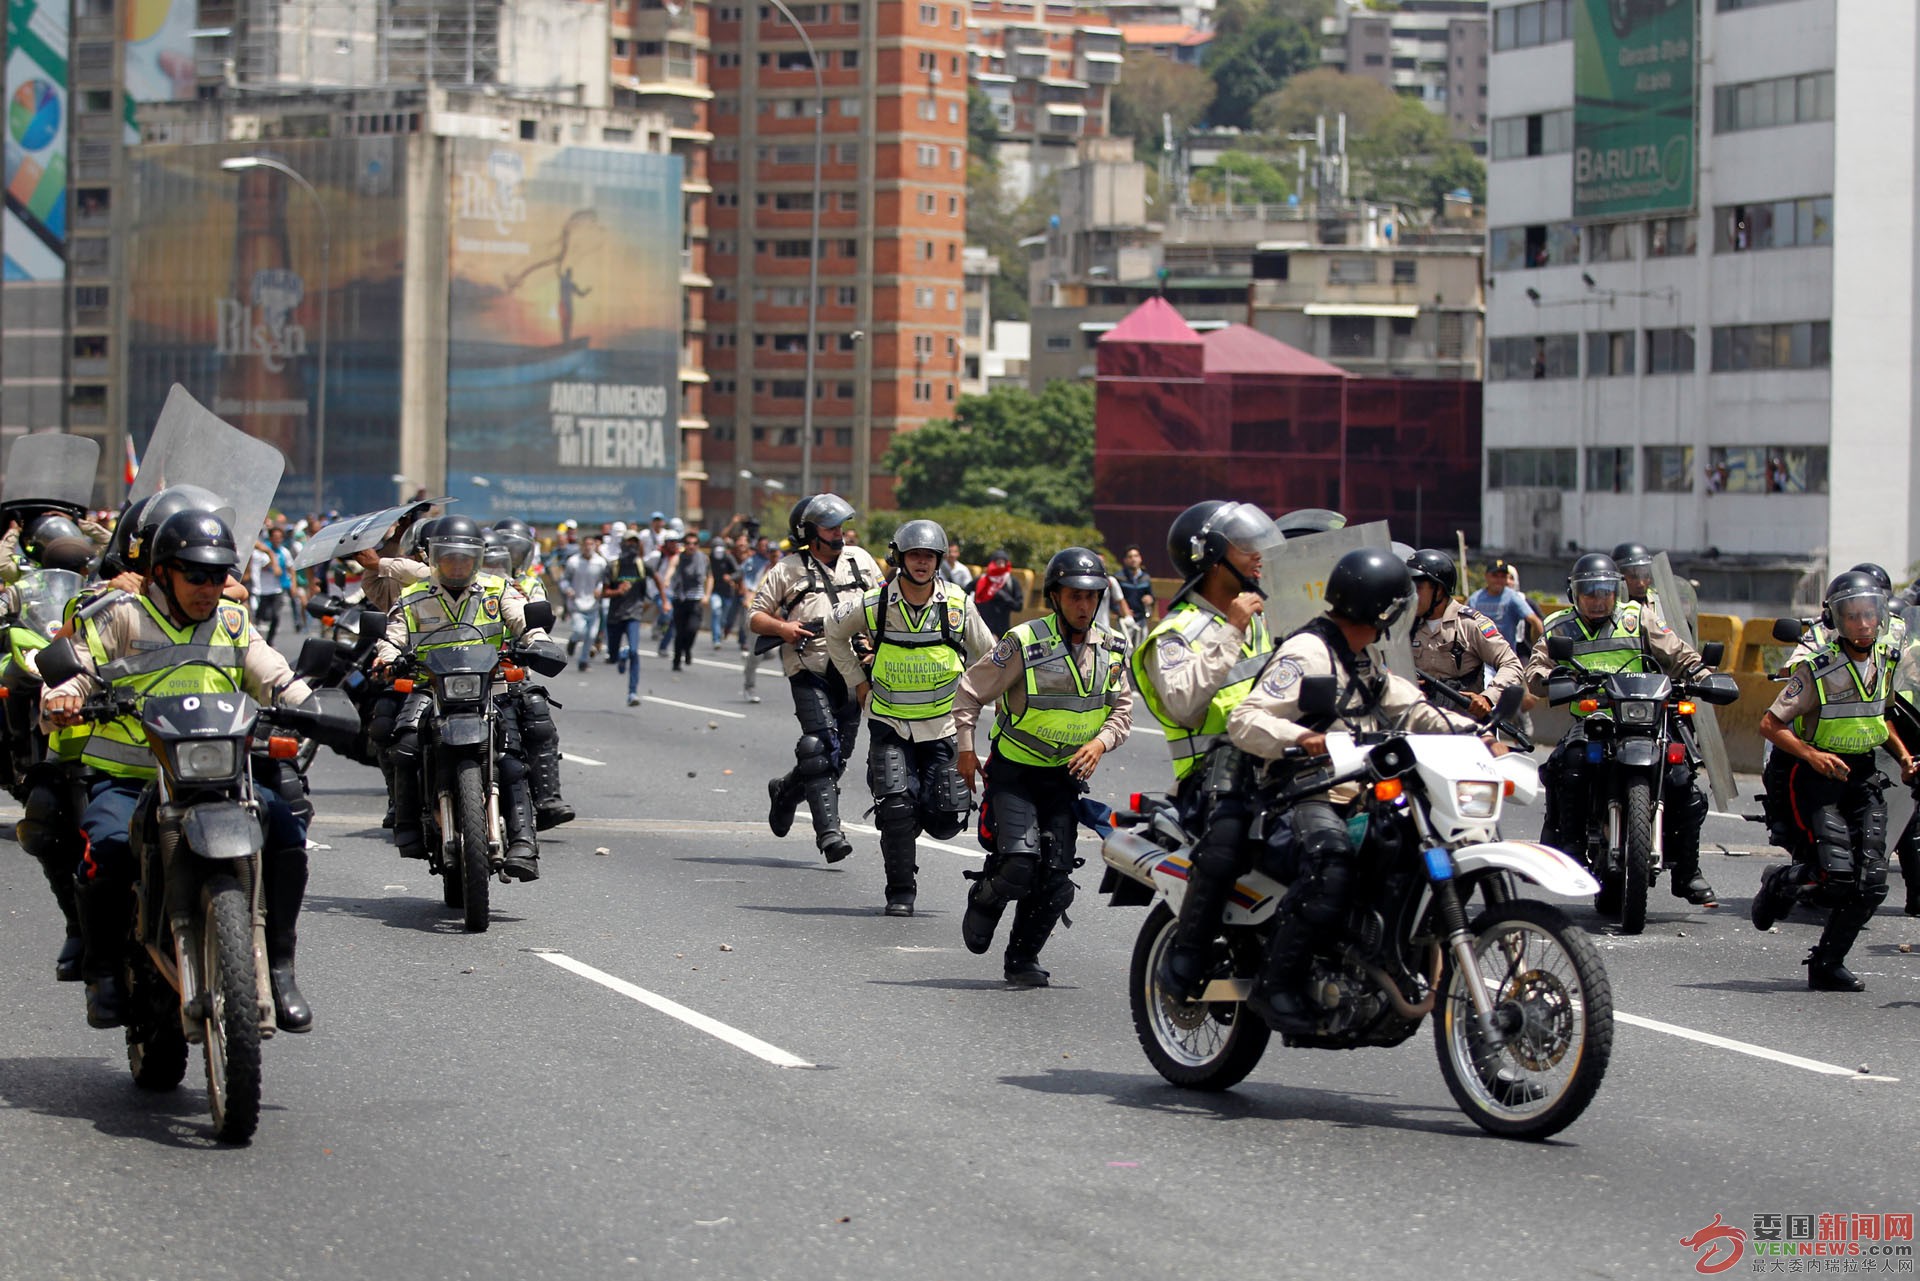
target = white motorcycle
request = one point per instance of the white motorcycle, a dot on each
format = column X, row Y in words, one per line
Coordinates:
column 1523, row 1012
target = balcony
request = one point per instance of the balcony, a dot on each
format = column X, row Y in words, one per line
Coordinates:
column 1067, row 119
column 1098, row 68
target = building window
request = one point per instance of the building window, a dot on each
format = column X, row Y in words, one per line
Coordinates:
column 929, row 110
column 923, row 296
column 930, row 15
column 849, row 59
column 1554, row 244
column 1670, row 238
column 1767, row 469
column 1767, row 104
column 956, row 158
column 1545, row 133
column 1406, row 271
column 1350, row 337
column 1776, row 224
column 1670, row 351
column 1803, row 345
column 1610, row 242
column 929, row 61
column 1610, row 355
column 1669, row 469
column 1610, row 470
column 1059, row 342
column 1522, row 26
column 849, row 295
column 1543, row 356
column 928, row 154
column 850, row 106
column 1351, row 271
column 953, row 300
column 1537, row 468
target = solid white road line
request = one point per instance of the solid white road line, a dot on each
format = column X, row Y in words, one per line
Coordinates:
column 931, row 844
column 692, row 707
column 1138, row 728
column 673, row 1009
column 1742, row 1047
column 580, row 760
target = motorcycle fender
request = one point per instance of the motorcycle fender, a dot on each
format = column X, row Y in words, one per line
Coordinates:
column 220, row 830
column 1636, row 753
column 1551, row 870
column 466, row 731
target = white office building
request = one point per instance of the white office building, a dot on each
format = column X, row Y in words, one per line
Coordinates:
column 1741, row 378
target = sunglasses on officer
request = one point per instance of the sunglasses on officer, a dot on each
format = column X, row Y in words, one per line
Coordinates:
column 199, row 575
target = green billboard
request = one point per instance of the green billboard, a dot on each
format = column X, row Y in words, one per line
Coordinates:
column 1636, row 88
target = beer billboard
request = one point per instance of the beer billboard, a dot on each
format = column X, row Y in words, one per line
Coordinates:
column 563, row 393
column 1635, row 84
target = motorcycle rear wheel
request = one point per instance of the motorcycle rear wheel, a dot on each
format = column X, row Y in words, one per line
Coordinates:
column 156, row 1048
column 1550, row 989
column 1637, row 833
column 470, row 815
column 1200, row 1047
column 233, row 1015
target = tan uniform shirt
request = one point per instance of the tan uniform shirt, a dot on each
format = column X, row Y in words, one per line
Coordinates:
column 1267, row 722
column 1187, row 672
column 972, row 634
column 1004, row 671
column 1674, row 656
column 783, row 594
column 437, row 606
column 393, row 575
column 1800, row 696
column 1460, row 645
column 125, row 627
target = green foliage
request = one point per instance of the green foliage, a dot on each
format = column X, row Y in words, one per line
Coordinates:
column 1411, row 158
column 1037, row 448
column 982, row 530
column 1326, row 92
column 983, row 130
column 996, row 224
column 1246, row 178
column 1231, row 17
column 1254, row 62
column 1150, row 87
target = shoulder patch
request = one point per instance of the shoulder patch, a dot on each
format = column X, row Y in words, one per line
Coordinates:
column 1282, row 677
column 1174, row 652
column 1491, row 632
column 490, row 605
column 1003, row 652
column 233, row 621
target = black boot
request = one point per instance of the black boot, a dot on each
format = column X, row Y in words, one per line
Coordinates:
column 1183, row 968
column 982, row 916
column 1774, row 899
column 406, row 808
column 285, row 874
column 386, row 775
column 1908, row 849
column 59, row 871
column 1279, row 995
column 1033, row 920
column 784, row 793
column 823, row 799
column 1690, row 885
column 897, row 852
column 1826, row 968
column 549, row 809
column 523, row 844
column 106, row 920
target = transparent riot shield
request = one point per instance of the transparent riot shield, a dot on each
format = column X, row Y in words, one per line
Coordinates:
column 1294, row 576
column 191, row 446
column 50, row 469
column 357, row 533
column 1678, row 609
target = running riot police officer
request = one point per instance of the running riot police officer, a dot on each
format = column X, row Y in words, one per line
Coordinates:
column 532, row 705
column 1064, row 702
column 1824, row 728
column 1612, row 634
column 177, row 637
column 1454, row 643
column 1191, row 671
column 824, row 578
column 921, row 631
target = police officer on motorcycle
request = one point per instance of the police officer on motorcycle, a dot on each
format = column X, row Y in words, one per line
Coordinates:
column 530, row 703
column 1824, row 728
column 181, row 636
column 1366, row 594
column 458, row 597
column 1064, row 703
column 921, row 632
column 1454, row 643
column 1191, row 671
column 1610, row 634
column 824, row 578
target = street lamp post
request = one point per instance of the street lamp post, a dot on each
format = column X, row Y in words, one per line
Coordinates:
column 813, row 259
column 240, row 164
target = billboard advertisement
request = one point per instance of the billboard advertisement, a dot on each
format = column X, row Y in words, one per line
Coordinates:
column 1635, row 107
column 159, row 39
column 563, row 391
column 33, row 235
column 228, row 272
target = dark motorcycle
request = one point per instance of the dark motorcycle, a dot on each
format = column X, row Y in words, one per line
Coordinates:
column 1637, row 726
column 30, row 614
column 341, row 658
column 1444, row 692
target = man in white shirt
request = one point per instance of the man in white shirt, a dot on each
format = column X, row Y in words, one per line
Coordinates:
column 583, row 580
column 263, row 579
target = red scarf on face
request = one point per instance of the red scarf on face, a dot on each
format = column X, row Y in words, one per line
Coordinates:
column 990, row 582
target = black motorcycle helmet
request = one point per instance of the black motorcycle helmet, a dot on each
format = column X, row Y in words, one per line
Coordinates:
column 1202, row 535
column 497, row 559
column 194, row 538
column 54, row 541
column 916, row 536
column 164, row 505
column 1858, row 586
column 519, row 540
column 413, row 543
column 1632, row 556
column 1877, row 573
column 1369, row 586
column 1435, row 567
column 820, row 511
column 1310, row 520
column 455, row 551
column 1592, row 574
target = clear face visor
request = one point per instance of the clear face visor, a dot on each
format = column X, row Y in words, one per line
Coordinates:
column 1854, row 614
column 497, row 559
column 1246, row 528
column 1594, row 585
column 519, row 550
column 455, row 560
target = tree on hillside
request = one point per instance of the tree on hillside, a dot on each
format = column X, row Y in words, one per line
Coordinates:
column 1412, row 158
column 983, row 128
column 1231, row 17
column 1295, row 106
column 1150, row 87
column 1254, row 63
column 1248, row 179
column 1037, row 448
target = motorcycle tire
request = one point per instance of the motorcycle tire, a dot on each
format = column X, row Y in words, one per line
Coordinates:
column 1637, row 834
column 233, row 1014
column 1545, row 976
column 1200, row 1047
column 156, row 1048
column 470, row 814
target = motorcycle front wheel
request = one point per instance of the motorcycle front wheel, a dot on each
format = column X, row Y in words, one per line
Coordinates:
column 233, row 1015
column 1637, row 835
column 1554, row 1006
column 470, row 815
column 1200, row 1046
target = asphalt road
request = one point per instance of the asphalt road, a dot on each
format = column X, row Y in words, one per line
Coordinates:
column 534, row 1101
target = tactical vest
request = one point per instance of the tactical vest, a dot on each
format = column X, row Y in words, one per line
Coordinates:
column 1852, row 719
column 428, row 608
column 1064, row 711
column 531, row 585
column 69, row 742
column 1189, row 746
column 916, row 672
column 204, row 658
column 1617, row 644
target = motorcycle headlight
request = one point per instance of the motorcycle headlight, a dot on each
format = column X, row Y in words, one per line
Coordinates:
column 1476, row 799
column 204, row 762
column 1637, row 712
column 463, row 688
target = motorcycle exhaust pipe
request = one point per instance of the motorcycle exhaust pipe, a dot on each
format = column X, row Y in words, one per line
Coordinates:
column 1412, row 1013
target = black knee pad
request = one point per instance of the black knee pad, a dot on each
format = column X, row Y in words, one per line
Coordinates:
column 895, row 813
column 1012, row 877
column 1325, row 903
column 887, row 772
column 404, row 751
column 1833, row 843
column 1057, row 893
column 1873, row 879
column 45, row 829
column 536, row 719
column 944, row 813
column 812, row 756
column 512, row 770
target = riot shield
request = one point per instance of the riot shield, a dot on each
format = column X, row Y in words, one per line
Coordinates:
column 1294, row 576
column 50, row 469
column 1678, row 611
column 357, row 533
column 191, row 446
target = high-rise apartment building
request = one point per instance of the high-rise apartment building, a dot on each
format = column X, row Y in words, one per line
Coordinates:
column 1048, row 69
column 891, row 171
column 1434, row 50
